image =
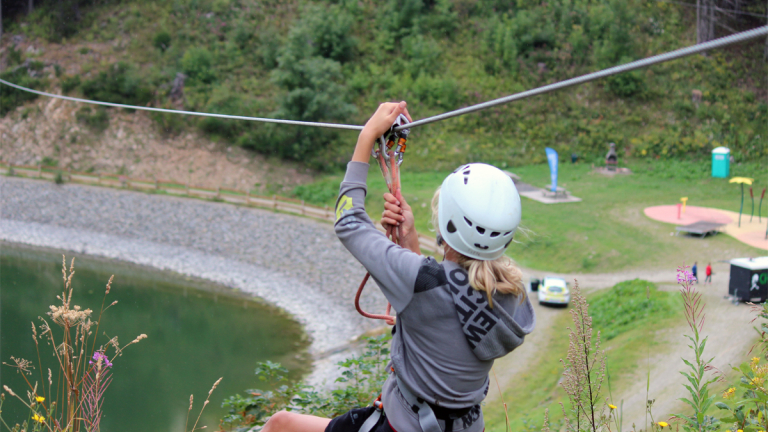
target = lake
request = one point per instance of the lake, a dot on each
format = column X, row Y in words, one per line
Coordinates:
column 197, row 332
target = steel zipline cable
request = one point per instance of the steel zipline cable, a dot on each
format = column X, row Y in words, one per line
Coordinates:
column 661, row 58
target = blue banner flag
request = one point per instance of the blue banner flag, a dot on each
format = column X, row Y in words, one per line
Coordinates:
column 552, row 158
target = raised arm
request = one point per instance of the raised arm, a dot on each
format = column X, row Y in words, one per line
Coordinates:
column 393, row 268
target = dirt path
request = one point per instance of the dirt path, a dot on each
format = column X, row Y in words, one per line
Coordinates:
column 730, row 338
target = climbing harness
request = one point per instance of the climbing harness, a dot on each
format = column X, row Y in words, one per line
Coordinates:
column 427, row 417
column 371, row 421
column 388, row 150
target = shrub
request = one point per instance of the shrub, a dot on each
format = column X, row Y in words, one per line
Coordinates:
column 224, row 101
column 269, row 48
column 197, row 64
column 312, row 93
column 170, row 124
column 421, row 55
column 97, row 120
column 162, row 40
column 68, row 84
column 242, row 35
column 327, row 33
column 15, row 56
column 10, row 98
column 362, row 378
column 627, row 84
column 120, row 83
column 500, row 46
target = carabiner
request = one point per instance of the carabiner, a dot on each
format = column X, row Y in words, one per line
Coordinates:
column 402, row 138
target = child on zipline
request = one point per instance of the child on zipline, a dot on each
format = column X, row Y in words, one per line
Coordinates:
column 453, row 318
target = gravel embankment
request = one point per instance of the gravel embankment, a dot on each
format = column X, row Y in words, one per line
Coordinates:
column 294, row 263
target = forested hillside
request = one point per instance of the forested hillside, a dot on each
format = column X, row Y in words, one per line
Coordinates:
column 336, row 60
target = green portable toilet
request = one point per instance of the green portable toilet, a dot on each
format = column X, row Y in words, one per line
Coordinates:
column 721, row 163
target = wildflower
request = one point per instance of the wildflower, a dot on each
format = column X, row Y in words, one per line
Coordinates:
column 38, row 418
column 757, row 381
column 100, row 358
column 39, row 399
column 611, row 406
column 755, row 360
column 663, row 424
column 684, row 276
column 729, row 393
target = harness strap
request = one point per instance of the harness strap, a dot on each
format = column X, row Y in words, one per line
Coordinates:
column 371, row 421
column 427, row 418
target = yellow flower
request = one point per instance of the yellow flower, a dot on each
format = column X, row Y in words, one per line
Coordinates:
column 39, row 399
column 755, row 360
column 613, row 407
column 757, row 381
column 663, row 424
column 38, row 418
column 729, row 393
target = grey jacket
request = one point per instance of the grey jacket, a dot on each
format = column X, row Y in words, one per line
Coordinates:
column 446, row 335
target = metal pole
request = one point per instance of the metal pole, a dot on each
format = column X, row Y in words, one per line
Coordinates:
column 742, row 203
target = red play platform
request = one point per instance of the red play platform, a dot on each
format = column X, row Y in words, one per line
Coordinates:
column 668, row 214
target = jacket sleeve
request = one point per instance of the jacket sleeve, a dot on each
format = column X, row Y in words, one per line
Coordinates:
column 393, row 268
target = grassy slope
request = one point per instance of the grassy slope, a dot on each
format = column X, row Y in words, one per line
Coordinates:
column 244, row 37
column 539, row 389
column 607, row 231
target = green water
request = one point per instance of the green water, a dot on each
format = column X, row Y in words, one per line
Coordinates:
column 197, row 332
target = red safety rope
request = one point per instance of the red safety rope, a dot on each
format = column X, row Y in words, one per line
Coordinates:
column 389, row 157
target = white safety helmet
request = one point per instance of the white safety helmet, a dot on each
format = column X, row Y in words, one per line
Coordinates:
column 478, row 211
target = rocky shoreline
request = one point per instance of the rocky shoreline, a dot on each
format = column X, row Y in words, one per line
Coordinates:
column 294, row 263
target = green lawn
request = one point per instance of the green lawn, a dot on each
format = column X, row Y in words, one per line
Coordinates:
column 607, row 231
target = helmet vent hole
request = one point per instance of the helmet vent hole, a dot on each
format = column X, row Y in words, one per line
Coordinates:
column 465, row 180
column 507, row 233
column 451, row 227
column 466, row 173
column 495, row 234
column 481, row 230
column 469, row 222
column 479, row 246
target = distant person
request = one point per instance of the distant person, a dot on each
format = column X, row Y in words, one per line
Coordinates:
column 694, row 271
column 709, row 273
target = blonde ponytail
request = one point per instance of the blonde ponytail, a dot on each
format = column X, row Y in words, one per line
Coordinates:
column 501, row 275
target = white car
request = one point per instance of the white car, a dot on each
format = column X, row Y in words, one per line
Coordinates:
column 554, row 290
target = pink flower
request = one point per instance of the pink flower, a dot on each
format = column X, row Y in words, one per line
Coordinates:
column 100, row 356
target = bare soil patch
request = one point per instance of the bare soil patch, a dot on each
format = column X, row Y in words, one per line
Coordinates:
column 132, row 145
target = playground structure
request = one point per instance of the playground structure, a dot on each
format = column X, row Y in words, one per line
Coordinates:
column 742, row 181
column 704, row 221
